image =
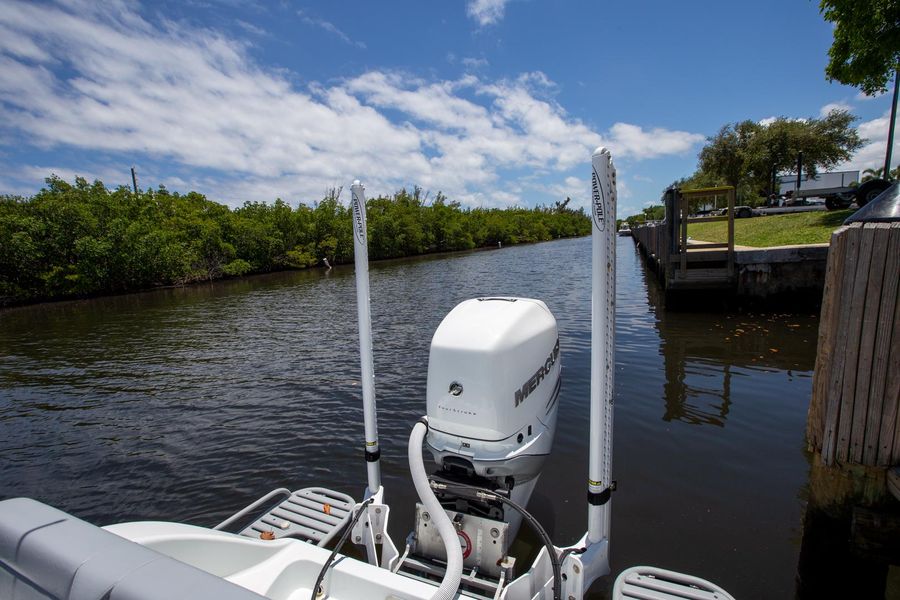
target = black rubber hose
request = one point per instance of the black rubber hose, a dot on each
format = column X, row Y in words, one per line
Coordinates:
column 337, row 548
column 535, row 525
column 568, row 551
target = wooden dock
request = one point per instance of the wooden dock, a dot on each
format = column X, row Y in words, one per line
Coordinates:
column 683, row 264
column 789, row 277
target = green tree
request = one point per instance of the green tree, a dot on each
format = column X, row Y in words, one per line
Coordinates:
column 724, row 158
column 745, row 154
column 866, row 48
column 825, row 143
column 657, row 212
column 81, row 238
column 870, row 174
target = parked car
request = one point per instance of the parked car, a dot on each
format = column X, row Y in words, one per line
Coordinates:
column 740, row 212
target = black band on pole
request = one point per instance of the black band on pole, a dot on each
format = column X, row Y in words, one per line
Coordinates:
column 373, row 456
column 599, row 498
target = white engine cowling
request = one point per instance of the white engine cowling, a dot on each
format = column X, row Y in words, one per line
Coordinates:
column 493, row 385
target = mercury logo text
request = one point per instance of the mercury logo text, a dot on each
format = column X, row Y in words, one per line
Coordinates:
column 535, row 380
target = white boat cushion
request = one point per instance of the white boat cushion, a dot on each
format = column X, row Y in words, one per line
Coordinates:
column 48, row 554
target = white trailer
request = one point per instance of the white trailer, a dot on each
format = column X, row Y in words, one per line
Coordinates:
column 838, row 188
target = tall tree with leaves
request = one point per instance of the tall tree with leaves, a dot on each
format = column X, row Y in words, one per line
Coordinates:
column 825, row 143
column 866, row 48
column 866, row 51
column 745, row 154
column 724, row 156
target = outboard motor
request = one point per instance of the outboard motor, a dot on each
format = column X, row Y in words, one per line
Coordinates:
column 492, row 396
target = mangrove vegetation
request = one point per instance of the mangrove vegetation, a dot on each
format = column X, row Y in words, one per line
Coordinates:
column 81, row 238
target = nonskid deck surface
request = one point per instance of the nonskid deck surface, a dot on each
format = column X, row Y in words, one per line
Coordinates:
column 314, row 514
column 640, row 583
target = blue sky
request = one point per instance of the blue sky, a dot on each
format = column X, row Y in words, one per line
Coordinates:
column 493, row 102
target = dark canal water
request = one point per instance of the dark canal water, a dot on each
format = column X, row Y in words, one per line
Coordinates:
column 187, row 404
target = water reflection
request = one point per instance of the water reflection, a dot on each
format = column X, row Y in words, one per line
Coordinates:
column 700, row 351
column 685, row 402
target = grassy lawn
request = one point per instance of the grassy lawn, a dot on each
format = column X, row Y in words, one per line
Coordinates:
column 773, row 230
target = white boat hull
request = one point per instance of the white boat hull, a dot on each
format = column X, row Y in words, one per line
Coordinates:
column 282, row 569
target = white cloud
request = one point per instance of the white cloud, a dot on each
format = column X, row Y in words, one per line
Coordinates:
column 863, row 96
column 21, row 46
column 493, row 199
column 871, row 155
column 251, row 28
column 110, row 177
column 486, row 12
column 473, row 64
column 828, row 108
column 632, row 140
column 330, row 28
column 101, row 79
column 576, row 188
column 769, row 120
column 15, row 187
column 623, row 191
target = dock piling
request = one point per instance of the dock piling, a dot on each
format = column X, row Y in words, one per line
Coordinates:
column 856, row 384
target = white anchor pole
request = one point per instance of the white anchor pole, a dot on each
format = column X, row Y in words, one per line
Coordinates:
column 603, row 335
column 361, row 258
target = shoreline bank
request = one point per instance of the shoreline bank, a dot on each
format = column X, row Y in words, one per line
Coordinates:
column 7, row 305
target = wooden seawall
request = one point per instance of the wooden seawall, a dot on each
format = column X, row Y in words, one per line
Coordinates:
column 792, row 273
column 853, row 413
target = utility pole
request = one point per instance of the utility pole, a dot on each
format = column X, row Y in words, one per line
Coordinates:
column 134, row 180
column 890, row 140
column 772, row 189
